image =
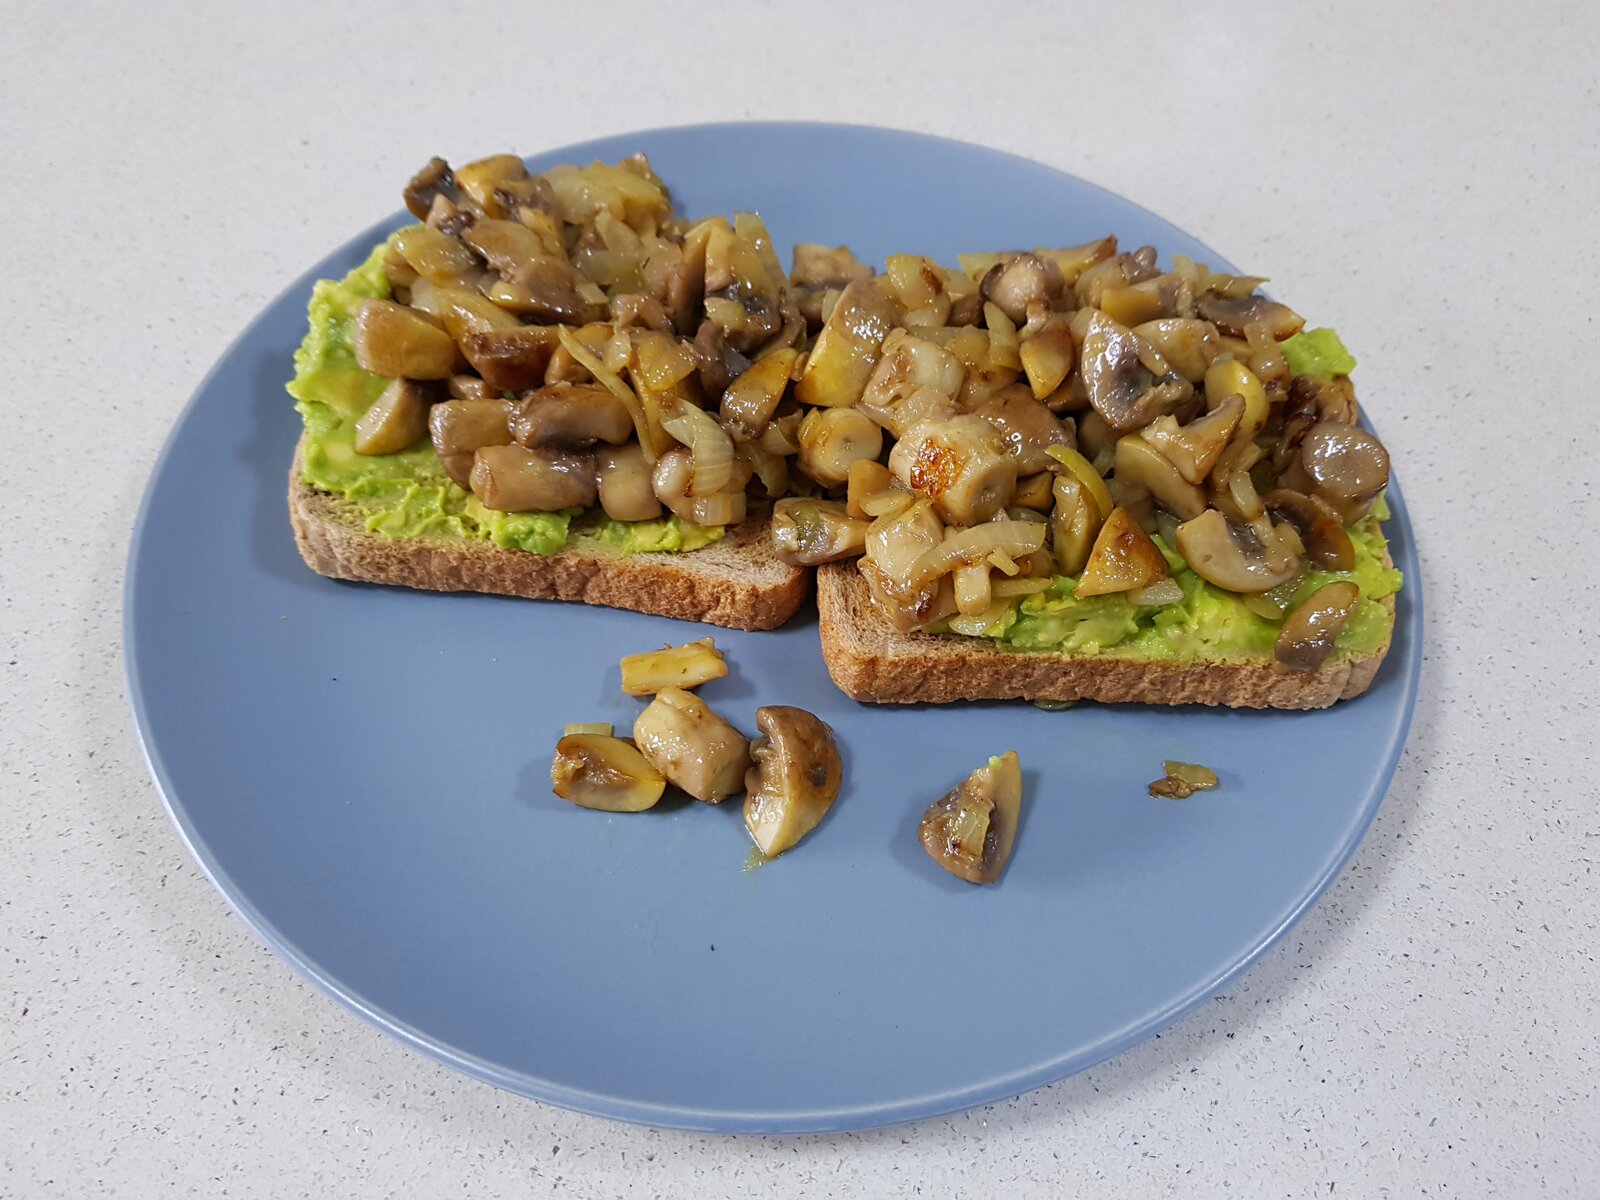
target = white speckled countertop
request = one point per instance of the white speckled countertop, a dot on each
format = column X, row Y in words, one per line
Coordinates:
column 1422, row 176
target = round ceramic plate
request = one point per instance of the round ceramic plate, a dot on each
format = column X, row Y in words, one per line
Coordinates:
column 364, row 771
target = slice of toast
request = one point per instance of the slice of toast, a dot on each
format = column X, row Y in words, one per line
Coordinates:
column 737, row 582
column 873, row 662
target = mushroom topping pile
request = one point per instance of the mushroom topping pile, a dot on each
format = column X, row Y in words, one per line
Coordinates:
column 971, row 434
column 566, row 341
column 1075, row 414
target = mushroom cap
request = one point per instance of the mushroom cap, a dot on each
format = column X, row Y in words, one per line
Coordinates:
column 1327, row 543
column 1311, row 630
column 794, row 779
column 1345, row 463
column 1120, row 384
column 1233, row 555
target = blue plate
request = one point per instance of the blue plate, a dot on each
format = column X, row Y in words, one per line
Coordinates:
column 364, row 771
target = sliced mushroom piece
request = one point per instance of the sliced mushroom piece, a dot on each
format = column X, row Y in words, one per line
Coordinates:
column 675, row 274
column 694, row 747
column 686, row 667
column 398, row 342
column 848, row 348
column 1046, row 351
column 1034, row 492
column 1114, row 273
column 660, row 361
column 448, row 217
column 809, row 532
column 1327, row 543
column 1311, row 630
column 571, row 416
column 791, row 333
column 516, row 479
column 750, row 401
column 1346, row 466
column 1021, row 280
column 1148, row 300
column 794, row 780
column 531, row 201
column 511, row 360
column 606, row 773
column 545, row 289
column 470, row 387
column 911, row 366
column 1026, row 426
column 832, row 439
column 435, row 256
column 396, row 420
column 816, row 270
column 461, row 427
column 434, row 180
column 970, row 830
column 505, row 245
column 1073, row 261
column 1074, row 521
column 1312, row 399
column 1195, row 448
column 743, row 282
column 720, row 363
column 622, row 479
column 1139, row 462
column 1316, row 400
column 1123, row 559
column 1096, row 439
column 869, row 480
column 1234, row 556
column 461, row 311
column 1121, row 385
column 819, row 266
column 1230, row 377
column 960, row 463
column 478, row 180
column 1188, row 346
column 1232, row 315
column 965, row 310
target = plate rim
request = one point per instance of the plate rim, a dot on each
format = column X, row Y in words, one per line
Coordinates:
column 1409, row 621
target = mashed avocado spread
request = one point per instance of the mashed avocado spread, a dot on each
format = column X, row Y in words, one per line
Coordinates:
column 1209, row 623
column 408, row 495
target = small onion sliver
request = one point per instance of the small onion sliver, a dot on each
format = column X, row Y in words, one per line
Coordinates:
column 1167, row 591
column 974, row 544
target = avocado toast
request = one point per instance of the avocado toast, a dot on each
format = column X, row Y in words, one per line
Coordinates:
column 449, row 340
column 1060, row 474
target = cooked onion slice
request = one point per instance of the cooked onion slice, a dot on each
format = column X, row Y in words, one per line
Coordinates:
column 709, row 446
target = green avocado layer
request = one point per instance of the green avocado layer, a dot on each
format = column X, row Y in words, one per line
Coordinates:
column 408, row 495
column 1208, row 624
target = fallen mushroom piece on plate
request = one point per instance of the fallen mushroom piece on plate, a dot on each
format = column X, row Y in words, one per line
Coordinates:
column 686, row 666
column 971, row 829
column 596, row 770
column 794, row 780
column 694, row 747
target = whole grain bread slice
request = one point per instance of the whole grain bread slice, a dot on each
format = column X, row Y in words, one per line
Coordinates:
column 737, row 582
column 873, row 662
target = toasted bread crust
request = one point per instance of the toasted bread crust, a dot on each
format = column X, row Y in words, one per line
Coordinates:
column 870, row 661
column 737, row 582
